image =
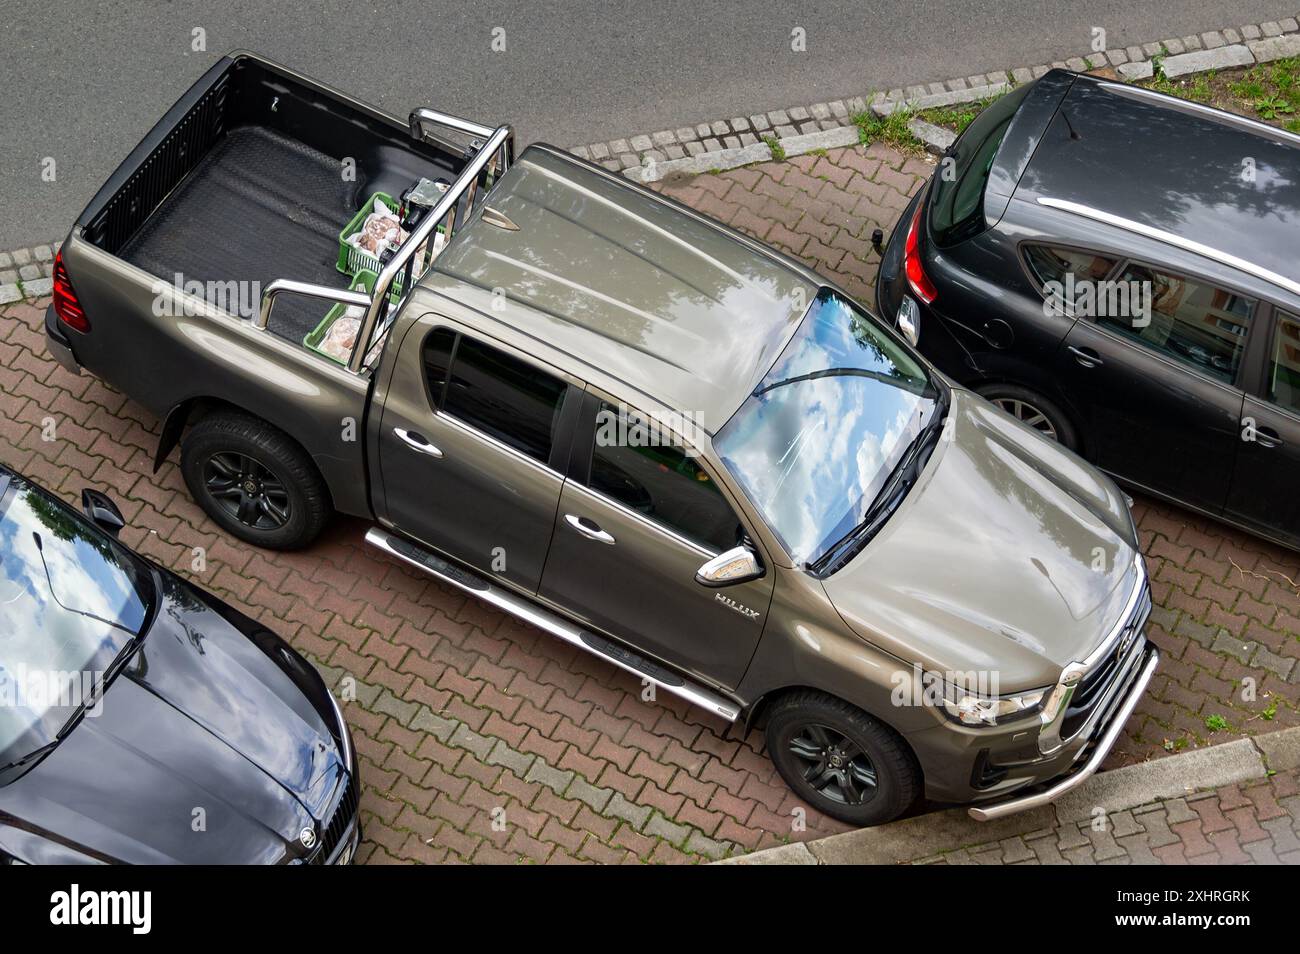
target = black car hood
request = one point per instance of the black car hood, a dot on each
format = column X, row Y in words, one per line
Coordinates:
column 204, row 750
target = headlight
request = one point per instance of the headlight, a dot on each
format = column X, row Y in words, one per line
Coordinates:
column 976, row 710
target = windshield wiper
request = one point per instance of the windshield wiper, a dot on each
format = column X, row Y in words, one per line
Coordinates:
column 890, row 495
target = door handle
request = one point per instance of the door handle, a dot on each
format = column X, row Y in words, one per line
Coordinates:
column 588, row 529
column 1085, row 356
column 1266, row 437
column 416, row 442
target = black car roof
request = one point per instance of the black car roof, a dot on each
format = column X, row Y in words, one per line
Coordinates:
column 1200, row 174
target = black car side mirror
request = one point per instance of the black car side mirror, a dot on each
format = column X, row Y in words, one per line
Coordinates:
column 102, row 512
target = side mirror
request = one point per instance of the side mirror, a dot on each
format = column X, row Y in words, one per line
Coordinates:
column 734, row 566
column 102, row 512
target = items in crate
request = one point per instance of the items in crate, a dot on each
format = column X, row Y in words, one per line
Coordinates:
column 342, row 334
column 380, row 230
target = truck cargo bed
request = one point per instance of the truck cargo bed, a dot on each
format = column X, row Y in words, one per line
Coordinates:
column 249, row 178
column 258, row 207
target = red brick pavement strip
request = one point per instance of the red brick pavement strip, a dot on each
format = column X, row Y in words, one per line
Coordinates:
column 1256, row 822
column 481, row 739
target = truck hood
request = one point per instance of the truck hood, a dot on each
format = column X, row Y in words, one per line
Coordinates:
column 1010, row 557
column 202, row 724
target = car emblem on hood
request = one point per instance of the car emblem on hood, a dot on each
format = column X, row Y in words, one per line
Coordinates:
column 307, row 837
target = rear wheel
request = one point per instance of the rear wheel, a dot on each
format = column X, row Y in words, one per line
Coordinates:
column 1033, row 410
column 254, row 481
column 841, row 761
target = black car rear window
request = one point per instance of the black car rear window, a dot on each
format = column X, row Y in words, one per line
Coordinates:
column 957, row 201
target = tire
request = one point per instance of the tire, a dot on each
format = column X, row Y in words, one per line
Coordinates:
column 1033, row 410
column 254, row 481
column 795, row 721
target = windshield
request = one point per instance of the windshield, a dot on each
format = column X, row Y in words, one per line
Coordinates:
column 814, row 443
column 957, row 208
column 71, row 599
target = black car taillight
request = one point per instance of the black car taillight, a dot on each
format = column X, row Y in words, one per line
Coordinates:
column 66, row 305
column 917, row 280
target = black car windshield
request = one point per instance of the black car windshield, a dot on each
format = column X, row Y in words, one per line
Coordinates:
column 815, row 442
column 71, row 600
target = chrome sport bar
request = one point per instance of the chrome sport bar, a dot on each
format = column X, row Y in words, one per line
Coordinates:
column 493, row 151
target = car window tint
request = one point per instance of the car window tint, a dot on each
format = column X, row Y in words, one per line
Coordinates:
column 1063, row 269
column 496, row 393
column 647, row 471
column 1194, row 323
column 1284, row 364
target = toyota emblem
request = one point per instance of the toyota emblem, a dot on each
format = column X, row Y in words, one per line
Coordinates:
column 307, row 837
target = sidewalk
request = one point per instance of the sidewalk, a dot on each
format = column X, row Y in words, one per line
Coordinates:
column 1237, row 803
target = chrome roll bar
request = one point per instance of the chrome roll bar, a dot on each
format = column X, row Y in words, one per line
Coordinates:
column 460, row 194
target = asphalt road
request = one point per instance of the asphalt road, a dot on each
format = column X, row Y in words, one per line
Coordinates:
column 84, row 80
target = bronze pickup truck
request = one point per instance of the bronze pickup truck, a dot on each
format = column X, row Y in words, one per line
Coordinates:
column 647, row 434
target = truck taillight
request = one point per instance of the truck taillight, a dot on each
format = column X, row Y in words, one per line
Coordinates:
column 917, row 280
column 66, row 305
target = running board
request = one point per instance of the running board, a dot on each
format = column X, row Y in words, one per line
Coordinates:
column 530, row 612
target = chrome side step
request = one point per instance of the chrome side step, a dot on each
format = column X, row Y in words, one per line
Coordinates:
column 530, row 612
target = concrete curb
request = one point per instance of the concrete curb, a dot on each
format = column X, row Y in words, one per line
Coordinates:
column 1126, row 788
column 729, row 143
column 26, row 272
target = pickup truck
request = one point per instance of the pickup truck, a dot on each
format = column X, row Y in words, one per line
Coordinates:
column 616, row 419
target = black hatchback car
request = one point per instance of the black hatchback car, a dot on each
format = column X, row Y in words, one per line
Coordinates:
column 144, row 721
column 1120, row 269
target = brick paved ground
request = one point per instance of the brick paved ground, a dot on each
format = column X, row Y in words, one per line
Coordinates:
column 461, row 712
column 1254, row 823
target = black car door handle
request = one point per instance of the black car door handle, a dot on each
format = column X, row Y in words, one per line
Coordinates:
column 1085, row 356
column 1267, row 437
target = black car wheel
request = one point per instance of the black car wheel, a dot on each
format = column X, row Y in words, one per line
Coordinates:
column 840, row 760
column 254, row 481
column 1033, row 410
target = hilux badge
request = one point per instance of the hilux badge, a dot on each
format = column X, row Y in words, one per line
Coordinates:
column 732, row 604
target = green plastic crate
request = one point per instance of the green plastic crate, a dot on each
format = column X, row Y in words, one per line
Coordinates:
column 363, row 281
column 353, row 260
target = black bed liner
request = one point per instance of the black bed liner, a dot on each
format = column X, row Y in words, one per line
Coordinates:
column 258, row 207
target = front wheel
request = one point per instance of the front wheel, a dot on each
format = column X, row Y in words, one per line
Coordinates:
column 254, row 481
column 841, row 761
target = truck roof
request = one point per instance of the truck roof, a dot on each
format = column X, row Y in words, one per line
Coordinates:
column 628, row 283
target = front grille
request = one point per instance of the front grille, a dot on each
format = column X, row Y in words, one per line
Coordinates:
column 340, row 821
column 1097, row 683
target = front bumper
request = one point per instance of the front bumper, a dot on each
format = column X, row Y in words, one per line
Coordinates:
column 1096, row 754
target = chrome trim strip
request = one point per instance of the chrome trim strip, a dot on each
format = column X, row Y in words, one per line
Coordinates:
column 1169, row 238
column 642, row 519
column 343, row 731
column 1058, row 702
column 570, row 633
column 471, row 431
column 1071, row 782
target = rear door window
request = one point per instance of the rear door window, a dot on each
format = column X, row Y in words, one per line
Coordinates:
column 1063, row 273
column 494, row 392
column 1194, row 323
column 1284, row 364
column 659, row 480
